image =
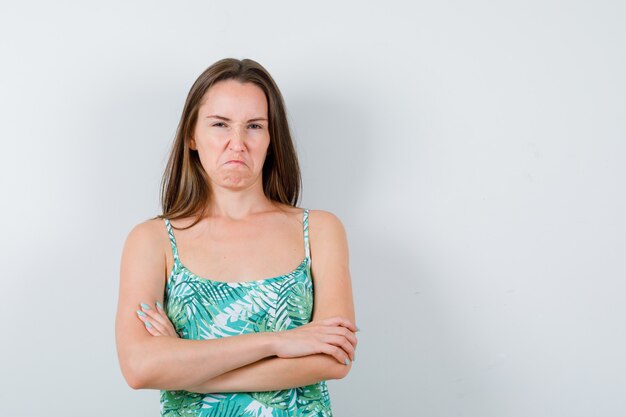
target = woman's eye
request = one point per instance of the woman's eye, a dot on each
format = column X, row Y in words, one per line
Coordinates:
column 219, row 124
column 256, row 126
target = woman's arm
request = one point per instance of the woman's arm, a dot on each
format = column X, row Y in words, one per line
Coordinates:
column 166, row 362
column 330, row 267
column 272, row 374
column 333, row 297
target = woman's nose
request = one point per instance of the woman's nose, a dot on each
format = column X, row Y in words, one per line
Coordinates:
column 236, row 140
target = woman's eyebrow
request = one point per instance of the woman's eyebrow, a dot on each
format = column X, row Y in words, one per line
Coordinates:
column 215, row 116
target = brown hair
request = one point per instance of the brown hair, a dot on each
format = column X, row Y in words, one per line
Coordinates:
column 185, row 187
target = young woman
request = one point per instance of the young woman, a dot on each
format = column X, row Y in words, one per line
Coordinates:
column 234, row 301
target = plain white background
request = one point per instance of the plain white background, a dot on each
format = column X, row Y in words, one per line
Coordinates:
column 473, row 149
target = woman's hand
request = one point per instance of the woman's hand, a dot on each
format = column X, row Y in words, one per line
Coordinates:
column 334, row 336
column 156, row 321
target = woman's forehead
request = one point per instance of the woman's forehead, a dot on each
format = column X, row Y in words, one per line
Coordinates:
column 233, row 99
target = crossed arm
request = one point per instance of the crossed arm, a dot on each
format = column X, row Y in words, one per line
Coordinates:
column 232, row 364
column 270, row 374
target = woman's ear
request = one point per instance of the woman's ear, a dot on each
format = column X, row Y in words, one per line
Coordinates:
column 192, row 143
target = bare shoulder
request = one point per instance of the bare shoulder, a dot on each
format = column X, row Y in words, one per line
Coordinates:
column 148, row 229
column 325, row 222
column 147, row 235
column 144, row 257
column 329, row 243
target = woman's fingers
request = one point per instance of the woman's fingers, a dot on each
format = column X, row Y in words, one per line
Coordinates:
column 340, row 326
column 342, row 331
column 336, row 352
column 147, row 323
column 342, row 335
column 340, row 321
column 156, row 321
column 344, row 344
column 335, row 337
column 154, row 327
column 145, row 319
column 156, row 314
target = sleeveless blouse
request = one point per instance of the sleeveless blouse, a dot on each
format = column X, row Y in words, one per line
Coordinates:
column 201, row 308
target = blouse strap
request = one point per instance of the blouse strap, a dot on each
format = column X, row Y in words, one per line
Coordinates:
column 305, row 223
column 170, row 232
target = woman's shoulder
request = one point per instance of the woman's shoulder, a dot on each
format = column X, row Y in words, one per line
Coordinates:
column 328, row 235
column 149, row 226
column 325, row 220
column 317, row 219
column 147, row 233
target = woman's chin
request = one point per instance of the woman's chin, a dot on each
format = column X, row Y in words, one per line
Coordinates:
column 236, row 182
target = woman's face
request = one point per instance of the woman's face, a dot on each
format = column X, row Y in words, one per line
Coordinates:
column 231, row 134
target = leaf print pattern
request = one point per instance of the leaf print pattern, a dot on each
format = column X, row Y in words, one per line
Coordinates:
column 202, row 309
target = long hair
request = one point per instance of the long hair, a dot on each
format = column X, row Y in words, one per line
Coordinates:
column 185, row 186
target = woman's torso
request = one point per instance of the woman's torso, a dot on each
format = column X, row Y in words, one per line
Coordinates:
column 201, row 308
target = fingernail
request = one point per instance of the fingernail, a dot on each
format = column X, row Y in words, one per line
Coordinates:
column 145, row 306
column 347, row 362
column 141, row 313
column 159, row 305
column 148, row 325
